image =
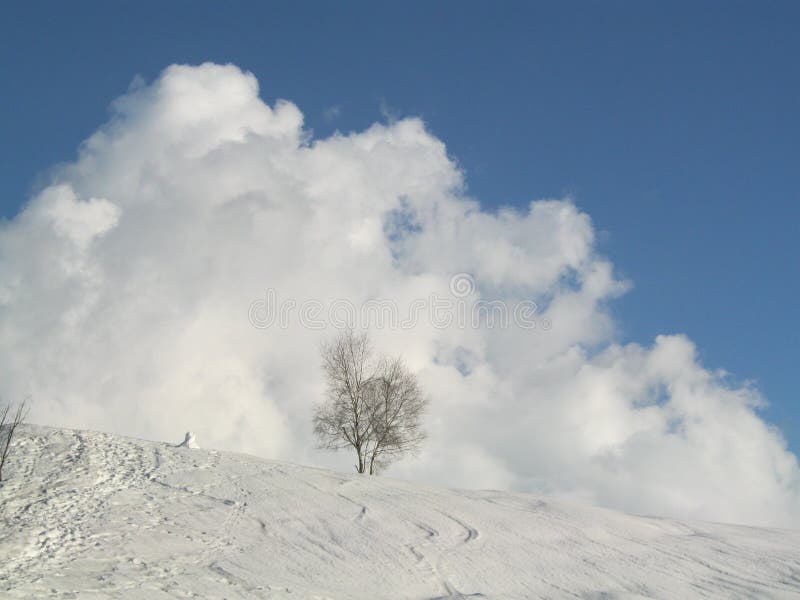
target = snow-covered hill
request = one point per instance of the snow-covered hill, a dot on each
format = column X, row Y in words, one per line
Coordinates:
column 90, row 515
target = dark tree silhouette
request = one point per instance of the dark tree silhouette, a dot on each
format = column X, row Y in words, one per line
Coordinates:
column 9, row 421
column 374, row 405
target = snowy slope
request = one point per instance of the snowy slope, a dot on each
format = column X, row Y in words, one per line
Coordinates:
column 90, row 515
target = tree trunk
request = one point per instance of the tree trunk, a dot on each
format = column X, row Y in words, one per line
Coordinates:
column 361, row 462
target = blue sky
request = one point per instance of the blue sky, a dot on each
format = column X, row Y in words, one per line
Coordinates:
column 674, row 126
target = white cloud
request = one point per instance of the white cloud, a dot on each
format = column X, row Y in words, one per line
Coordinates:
column 125, row 288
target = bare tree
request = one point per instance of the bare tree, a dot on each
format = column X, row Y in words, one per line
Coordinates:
column 396, row 409
column 9, row 421
column 343, row 419
column 373, row 405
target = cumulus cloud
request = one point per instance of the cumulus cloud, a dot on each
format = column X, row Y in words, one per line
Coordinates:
column 126, row 286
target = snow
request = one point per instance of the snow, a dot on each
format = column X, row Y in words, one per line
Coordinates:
column 91, row 515
column 189, row 441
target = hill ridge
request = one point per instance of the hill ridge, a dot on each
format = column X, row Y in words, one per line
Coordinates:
column 93, row 515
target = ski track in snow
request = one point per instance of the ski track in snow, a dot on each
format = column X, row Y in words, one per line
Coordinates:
column 92, row 515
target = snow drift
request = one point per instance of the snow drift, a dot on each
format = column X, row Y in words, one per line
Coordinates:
column 92, row 515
